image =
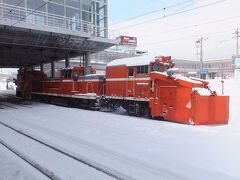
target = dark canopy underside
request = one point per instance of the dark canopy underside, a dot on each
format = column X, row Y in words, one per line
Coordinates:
column 26, row 47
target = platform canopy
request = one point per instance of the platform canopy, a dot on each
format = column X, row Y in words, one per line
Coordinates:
column 25, row 46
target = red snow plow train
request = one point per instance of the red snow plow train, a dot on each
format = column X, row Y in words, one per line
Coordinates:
column 144, row 87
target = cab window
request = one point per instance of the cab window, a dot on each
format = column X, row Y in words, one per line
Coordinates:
column 67, row 73
column 142, row 69
column 75, row 75
column 131, row 71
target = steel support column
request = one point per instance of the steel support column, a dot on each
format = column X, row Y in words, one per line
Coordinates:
column 42, row 67
column 87, row 63
column 67, row 61
column 52, row 69
column 87, row 59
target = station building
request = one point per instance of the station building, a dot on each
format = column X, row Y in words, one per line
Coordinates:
column 36, row 32
column 220, row 68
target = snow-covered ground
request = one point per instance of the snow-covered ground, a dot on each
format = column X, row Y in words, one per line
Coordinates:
column 3, row 85
column 12, row 167
column 138, row 148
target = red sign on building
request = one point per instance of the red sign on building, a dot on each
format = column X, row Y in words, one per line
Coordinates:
column 127, row 40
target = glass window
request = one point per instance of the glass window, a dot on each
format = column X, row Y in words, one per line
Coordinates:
column 101, row 22
column 13, row 12
column 142, row 69
column 55, row 9
column 100, row 9
column 86, row 16
column 14, row 2
column 33, row 17
column 73, row 14
column 73, row 19
column 75, row 75
column 67, row 73
column 86, row 5
column 73, row 3
column 131, row 71
column 58, row 1
column 39, row 5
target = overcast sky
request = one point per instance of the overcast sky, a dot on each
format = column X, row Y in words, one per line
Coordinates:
column 176, row 35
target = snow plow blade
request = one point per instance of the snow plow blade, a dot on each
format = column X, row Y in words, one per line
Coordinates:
column 188, row 101
column 209, row 110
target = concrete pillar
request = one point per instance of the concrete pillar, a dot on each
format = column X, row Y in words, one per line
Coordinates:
column 81, row 60
column 42, row 67
column 86, row 62
column 87, row 59
column 67, row 61
column 52, row 69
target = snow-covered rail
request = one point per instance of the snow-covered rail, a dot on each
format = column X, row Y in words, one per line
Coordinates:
column 12, row 102
column 119, row 160
column 111, row 173
column 38, row 167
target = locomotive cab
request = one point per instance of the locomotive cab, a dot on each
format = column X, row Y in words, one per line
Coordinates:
column 129, row 80
column 76, row 72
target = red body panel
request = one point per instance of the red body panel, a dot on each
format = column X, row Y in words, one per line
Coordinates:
column 209, row 109
column 120, row 84
column 69, row 86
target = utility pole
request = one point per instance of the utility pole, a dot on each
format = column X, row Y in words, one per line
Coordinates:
column 237, row 37
column 200, row 54
column 199, row 44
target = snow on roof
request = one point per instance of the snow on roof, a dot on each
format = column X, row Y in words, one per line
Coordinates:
column 180, row 77
column 187, row 79
column 133, row 61
column 202, row 91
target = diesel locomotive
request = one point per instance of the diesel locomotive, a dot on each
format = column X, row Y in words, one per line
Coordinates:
column 143, row 86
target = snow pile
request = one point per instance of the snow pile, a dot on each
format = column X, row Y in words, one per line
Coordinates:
column 12, row 86
column 180, row 77
column 202, row 91
column 3, row 85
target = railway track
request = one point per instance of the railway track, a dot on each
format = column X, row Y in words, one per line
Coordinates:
column 111, row 173
column 35, row 165
column 122, row 160
column 11, row 101
column 131, row 163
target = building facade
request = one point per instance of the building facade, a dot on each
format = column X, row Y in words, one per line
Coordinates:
column 87, row 16
column 34, row 32
column 221, row 68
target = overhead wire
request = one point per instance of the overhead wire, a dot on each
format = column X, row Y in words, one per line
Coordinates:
column 47, row 1
column 169, row 15
column 189, row 37
column 151, row 12
column 10, row 11
column 191, row 26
